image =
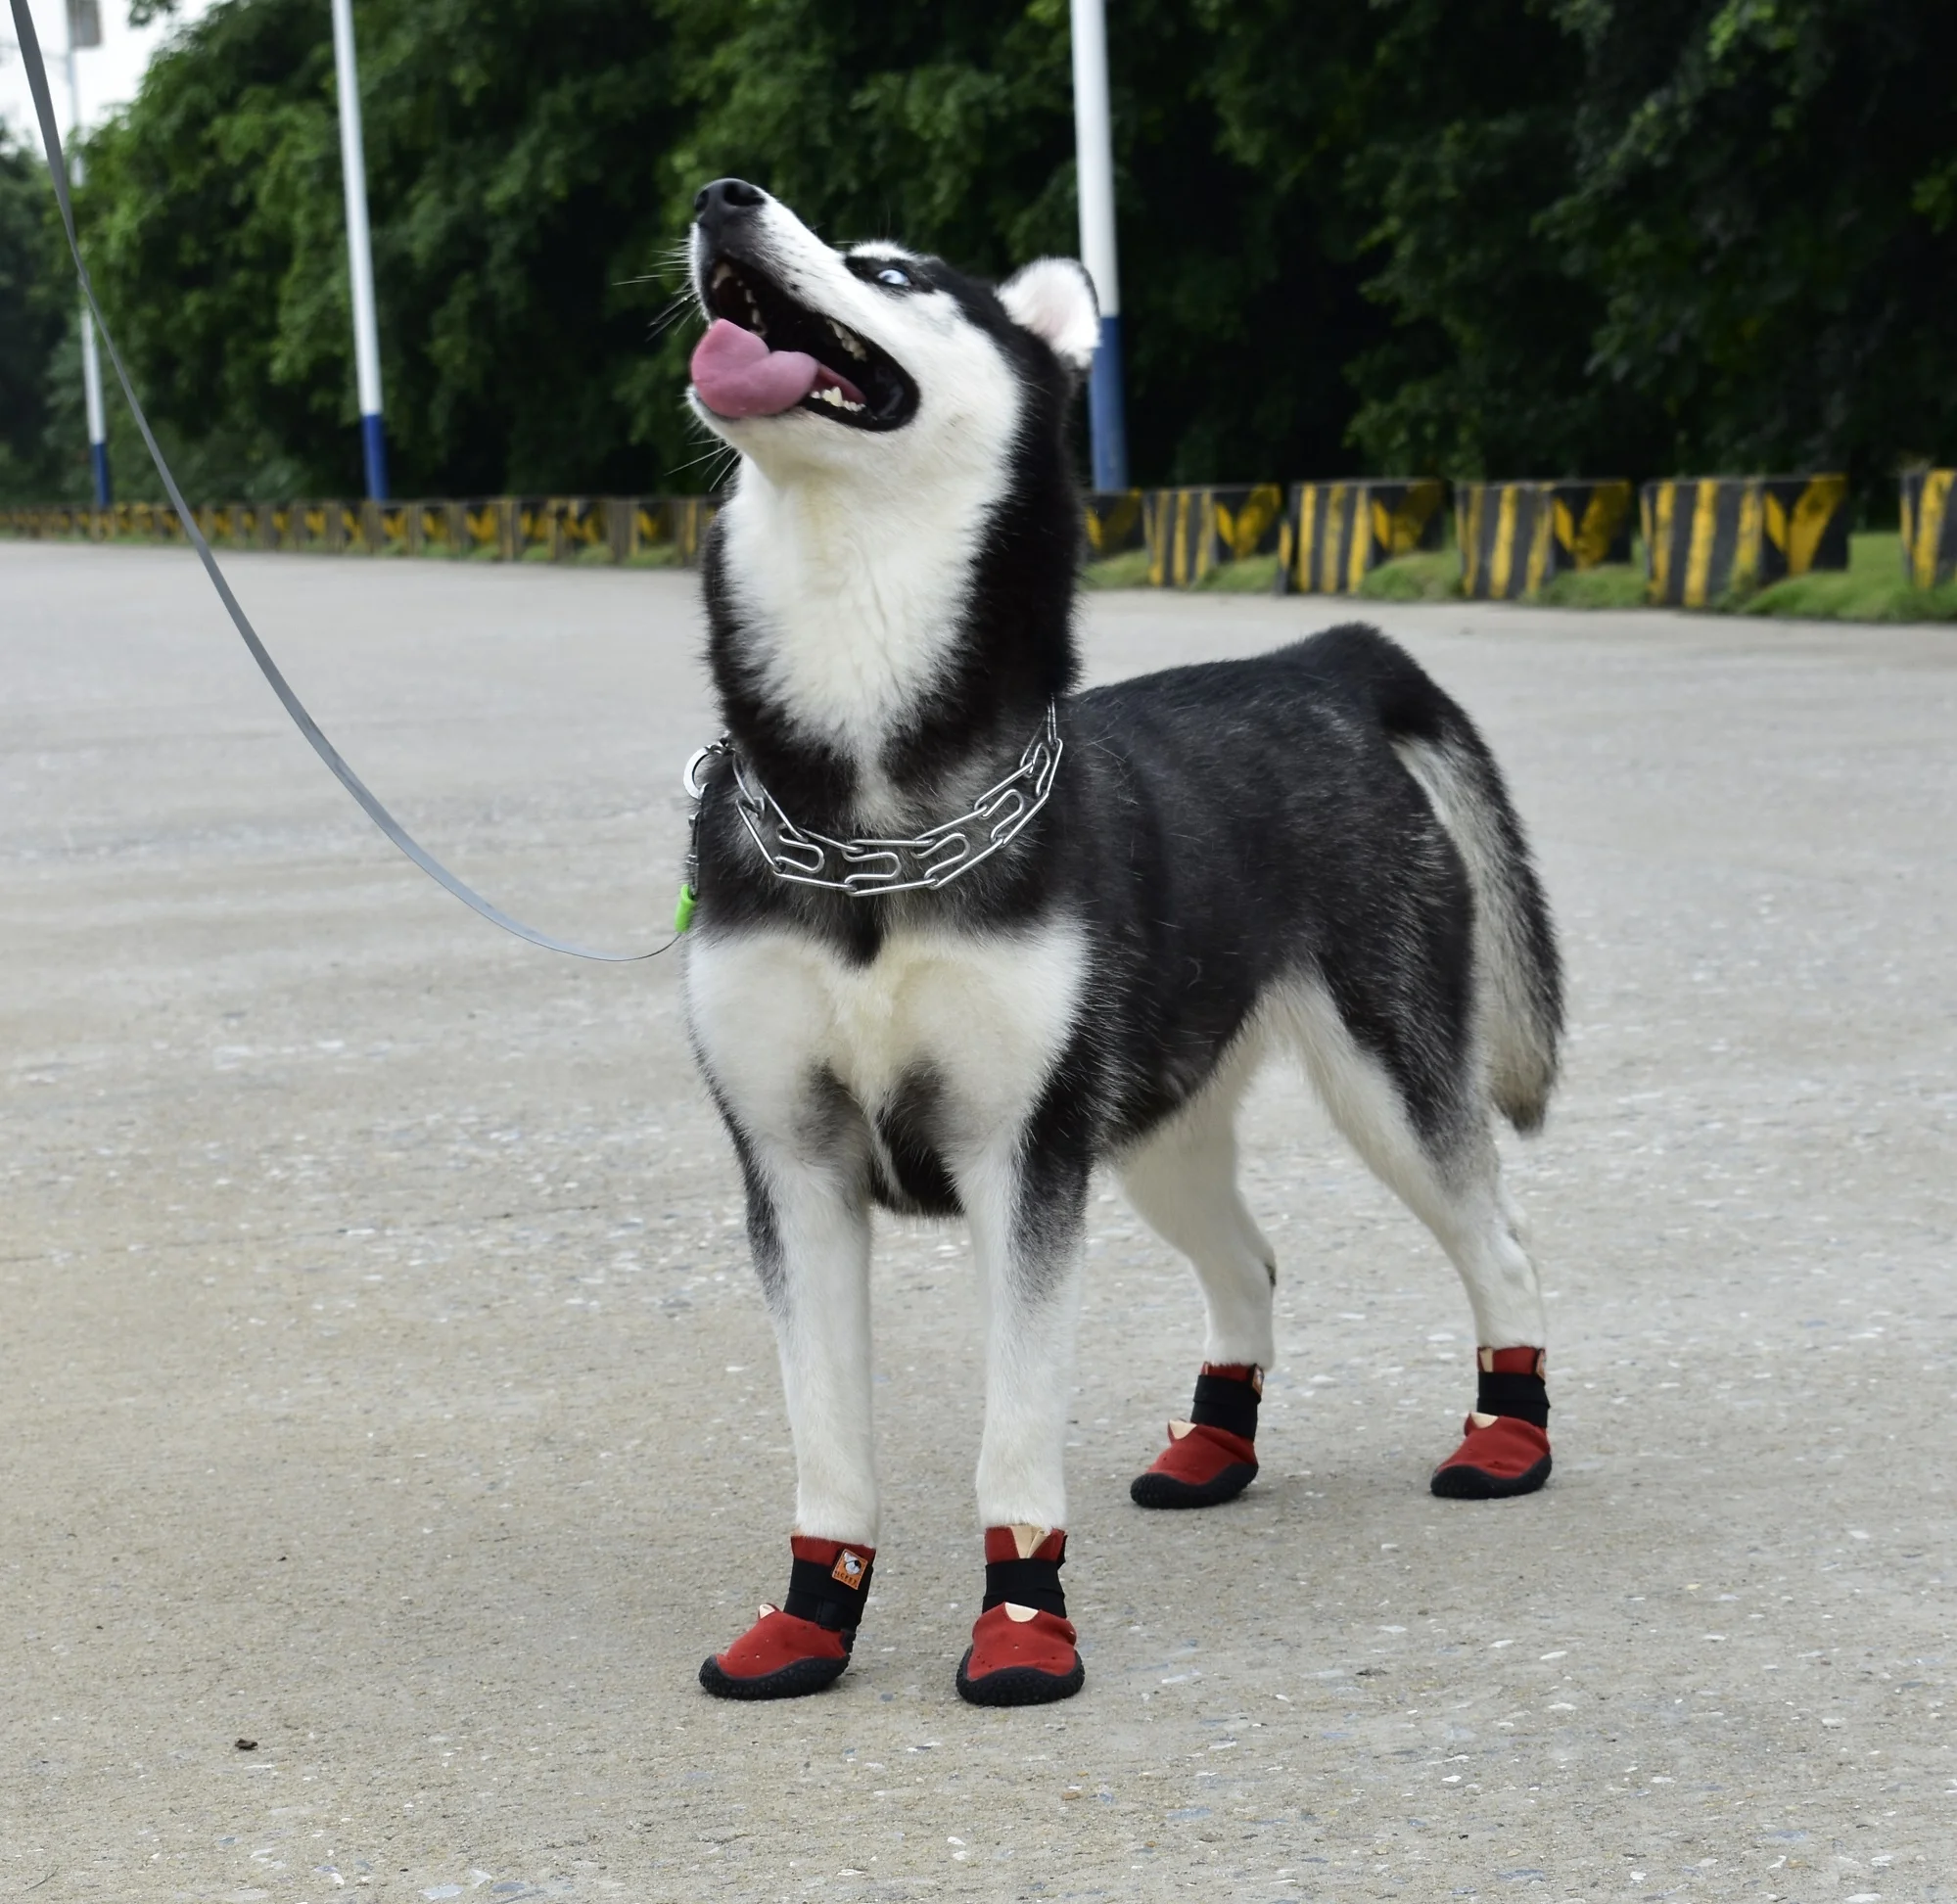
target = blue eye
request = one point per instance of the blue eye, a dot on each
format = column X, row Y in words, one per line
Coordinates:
column 896, row 279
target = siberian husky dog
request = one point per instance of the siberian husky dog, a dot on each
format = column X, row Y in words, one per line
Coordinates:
column 965, row 933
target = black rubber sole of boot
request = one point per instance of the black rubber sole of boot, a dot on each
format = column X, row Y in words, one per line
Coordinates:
column 795, row 1681
column 1477, row 1484
column 1020, row 1685
column 1152, row 1490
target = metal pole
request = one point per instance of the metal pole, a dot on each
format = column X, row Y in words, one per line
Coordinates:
column 91, row 363
column 1093, row 170
column 359, row 254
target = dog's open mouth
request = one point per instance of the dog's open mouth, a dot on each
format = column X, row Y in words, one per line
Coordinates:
column 765, row 354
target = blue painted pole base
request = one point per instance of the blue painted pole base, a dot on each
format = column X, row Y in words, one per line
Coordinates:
column 98, row 463
column 1107, row 416
column 374, row 444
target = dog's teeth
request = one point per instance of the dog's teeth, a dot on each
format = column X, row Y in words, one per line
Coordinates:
column 848, row 339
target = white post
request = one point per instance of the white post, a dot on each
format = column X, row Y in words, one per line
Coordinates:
column 1093, row 171
column 359, row 254
column 91, row 362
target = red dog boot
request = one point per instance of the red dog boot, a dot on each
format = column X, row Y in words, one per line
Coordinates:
column 1022, row 1650
column 1506, row 1448
column 803, row 1646
column 1212, row 1457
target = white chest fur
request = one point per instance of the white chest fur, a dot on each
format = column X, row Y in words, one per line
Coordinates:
column 852, row 590
column 987, row 1014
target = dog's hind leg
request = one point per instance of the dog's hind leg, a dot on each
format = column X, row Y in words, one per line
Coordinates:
column 1183, row 1180
column 1026, row 1204
column 1426, row 1128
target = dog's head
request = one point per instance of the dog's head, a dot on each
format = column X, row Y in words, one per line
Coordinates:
column 873, row 359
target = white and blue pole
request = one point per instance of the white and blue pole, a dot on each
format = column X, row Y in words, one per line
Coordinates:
column 84, row 28
column 98, row 422
column 1093, row 171
column 359, row 254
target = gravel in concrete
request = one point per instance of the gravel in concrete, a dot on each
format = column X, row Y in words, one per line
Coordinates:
column 381, row 1380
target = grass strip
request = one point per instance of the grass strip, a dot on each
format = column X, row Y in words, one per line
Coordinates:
column 1255, row 574
column 1128, row 570
column 1426, row 576
column 1872, row 588
column 1611, row 585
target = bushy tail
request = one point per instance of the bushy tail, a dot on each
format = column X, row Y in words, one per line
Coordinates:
column 1518, row 971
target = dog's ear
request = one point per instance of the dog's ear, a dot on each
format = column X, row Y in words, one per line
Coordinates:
column 1053, row 298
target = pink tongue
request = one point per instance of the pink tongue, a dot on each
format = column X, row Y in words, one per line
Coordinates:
column 738, row 375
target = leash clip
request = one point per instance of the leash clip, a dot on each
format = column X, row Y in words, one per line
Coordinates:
column 691, row 782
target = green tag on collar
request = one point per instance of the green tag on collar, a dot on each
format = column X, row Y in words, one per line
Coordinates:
column 682, row 913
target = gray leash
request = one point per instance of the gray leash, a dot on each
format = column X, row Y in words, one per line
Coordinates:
column 37, row 80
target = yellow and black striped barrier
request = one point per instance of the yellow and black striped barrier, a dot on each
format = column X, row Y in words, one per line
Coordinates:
column 1593, row 521
column 1191, row 531
column 1710, row 536
column 1514, row 536
column 1506, row 533
column 502, row 528
column 1112, row 522
column 1704, row 537
column 1334, row 533
column 60, row 522
column 687, row 520
column 1930, row 528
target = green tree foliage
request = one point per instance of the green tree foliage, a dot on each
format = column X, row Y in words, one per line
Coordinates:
column 531, row 173
column 1764, row 204
column 509, row 144
column 951, row 128
column 30, row 322
column 1502, row 237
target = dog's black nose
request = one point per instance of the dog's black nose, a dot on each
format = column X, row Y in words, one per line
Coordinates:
column 726, row 199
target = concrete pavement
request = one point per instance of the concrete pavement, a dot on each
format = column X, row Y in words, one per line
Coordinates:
column 381, row 1380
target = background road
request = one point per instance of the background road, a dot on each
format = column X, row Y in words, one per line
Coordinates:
column 382, row 1378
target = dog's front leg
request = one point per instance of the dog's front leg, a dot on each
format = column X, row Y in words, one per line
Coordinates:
column 808, row 1227
column 1027, row 1203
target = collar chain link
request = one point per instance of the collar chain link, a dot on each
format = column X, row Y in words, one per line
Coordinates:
column 867, row 868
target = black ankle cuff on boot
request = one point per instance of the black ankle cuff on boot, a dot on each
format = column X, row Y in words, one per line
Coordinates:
column 1224, row 1402
column 1525, row 1397
column 815, row 1594
column 1026, row 1583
